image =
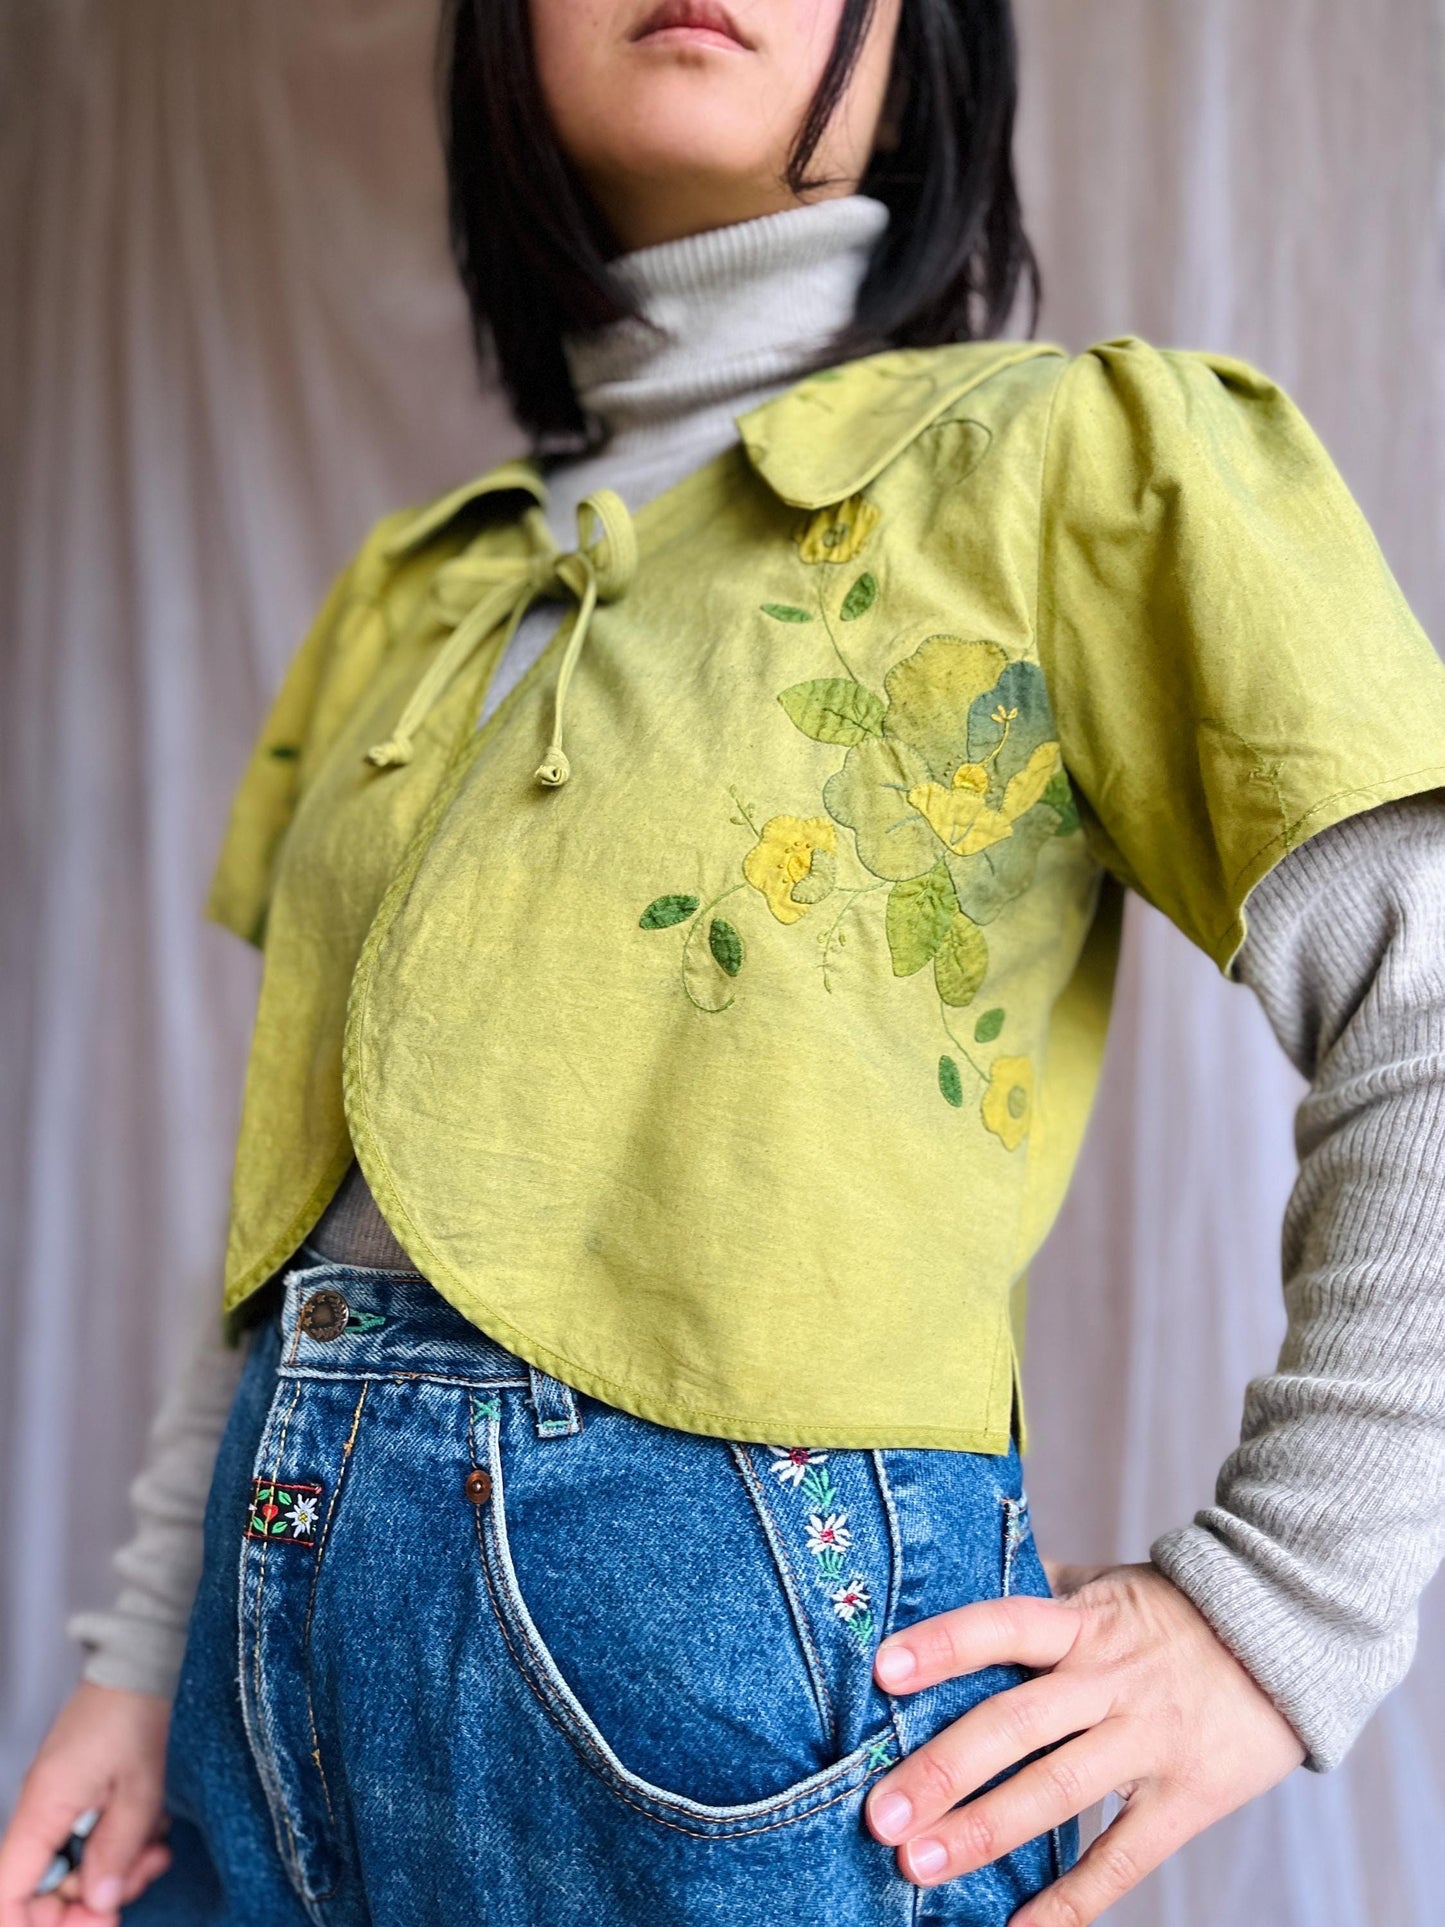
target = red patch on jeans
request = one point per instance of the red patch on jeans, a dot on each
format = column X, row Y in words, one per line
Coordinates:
column 286, row 1510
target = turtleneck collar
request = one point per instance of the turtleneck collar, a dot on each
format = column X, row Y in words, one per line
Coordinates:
column 742, row 309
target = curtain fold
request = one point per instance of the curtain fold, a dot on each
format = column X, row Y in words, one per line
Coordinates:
column 231, row 338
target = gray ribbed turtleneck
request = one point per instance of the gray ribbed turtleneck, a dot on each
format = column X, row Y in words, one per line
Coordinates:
column 738, row 314
column 1327, row 1520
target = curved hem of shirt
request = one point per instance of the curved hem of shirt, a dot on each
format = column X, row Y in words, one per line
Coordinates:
column 1321, row 815
column 881, row 1437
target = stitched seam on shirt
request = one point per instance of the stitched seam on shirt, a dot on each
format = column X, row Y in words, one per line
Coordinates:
column 1288, row 839
column 1039, row 518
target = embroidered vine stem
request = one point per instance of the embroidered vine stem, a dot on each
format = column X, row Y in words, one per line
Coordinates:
column 1008, row 717
column 852, row 892
column 745, row 813
column 852, row 673
column 697, row 924
column 962, row 1049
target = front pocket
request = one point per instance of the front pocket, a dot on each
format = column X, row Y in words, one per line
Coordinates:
column 640, row 1597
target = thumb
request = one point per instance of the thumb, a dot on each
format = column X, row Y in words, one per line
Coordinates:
column 1066, row 1579
column 40, row 1825
column 131, row 1820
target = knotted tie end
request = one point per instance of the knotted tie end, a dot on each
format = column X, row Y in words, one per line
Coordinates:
column 395, row 751
column 554, row 769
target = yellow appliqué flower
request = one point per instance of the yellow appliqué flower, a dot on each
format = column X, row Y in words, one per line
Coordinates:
column 791, row 854
column 959, row 813
column 837, row 534
column 1008, row 1103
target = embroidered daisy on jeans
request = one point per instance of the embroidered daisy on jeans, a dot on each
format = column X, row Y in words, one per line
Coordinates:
column 851, row 1602
column 302, row 1517
column 830, row 1534
column 791, row 1462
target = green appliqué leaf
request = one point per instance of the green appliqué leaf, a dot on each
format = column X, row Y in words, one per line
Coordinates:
column 834, row 709
column 785, row 612
column 949, row 1081
column 665, row 911
column 961, row 962
column 726, row 946
column 988, row 1027
column 1061, row 800
column 920, row 910
column 860, row 597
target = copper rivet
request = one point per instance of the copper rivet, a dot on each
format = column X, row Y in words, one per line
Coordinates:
column 324, row 1315
column 478, row 1487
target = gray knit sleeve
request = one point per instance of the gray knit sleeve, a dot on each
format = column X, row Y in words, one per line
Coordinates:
column 1329, row 1517
column 137, row 1641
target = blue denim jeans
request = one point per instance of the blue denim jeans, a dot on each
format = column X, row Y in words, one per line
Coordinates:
column 471, row 1648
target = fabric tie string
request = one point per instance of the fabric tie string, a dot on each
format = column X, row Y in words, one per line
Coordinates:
column 476, row 592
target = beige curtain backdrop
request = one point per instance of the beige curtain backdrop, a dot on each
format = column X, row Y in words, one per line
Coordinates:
column 228, row 339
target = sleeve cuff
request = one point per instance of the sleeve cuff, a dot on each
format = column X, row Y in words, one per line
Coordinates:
column 1321, row 1673
column 134, row 1654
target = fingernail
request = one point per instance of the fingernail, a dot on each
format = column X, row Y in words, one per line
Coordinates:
column 891, row 1815
column 894, row 1664
column 105, row 1894
column 927, row 1856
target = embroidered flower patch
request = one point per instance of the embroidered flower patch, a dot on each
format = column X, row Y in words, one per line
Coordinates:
column 829, row 1535
column 950, row 789
column 284, row 1512
column 791, row 1462
column 851, row 1602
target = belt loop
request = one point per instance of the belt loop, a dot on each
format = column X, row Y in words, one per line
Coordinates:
column 553, row 1406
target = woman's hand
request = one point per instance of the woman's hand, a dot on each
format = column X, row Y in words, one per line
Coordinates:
column 107, row 1749
column 1149, row 1705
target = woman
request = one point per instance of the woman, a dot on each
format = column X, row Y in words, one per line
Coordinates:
column 679, row 1018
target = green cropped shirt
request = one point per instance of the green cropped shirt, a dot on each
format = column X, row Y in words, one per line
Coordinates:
column 717, row 1024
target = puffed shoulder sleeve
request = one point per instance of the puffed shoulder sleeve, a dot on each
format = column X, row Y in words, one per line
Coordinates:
column 1232, row 665
column 337, row 656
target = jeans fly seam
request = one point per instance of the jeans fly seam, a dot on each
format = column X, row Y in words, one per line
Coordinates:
column 311, row 1602
column 782, row 1559
column 1014, row 1511
column 263, row 1718
column 895, row 1581
column 577, row 1735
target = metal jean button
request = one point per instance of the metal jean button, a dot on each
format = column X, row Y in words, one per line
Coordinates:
column 324, row 1315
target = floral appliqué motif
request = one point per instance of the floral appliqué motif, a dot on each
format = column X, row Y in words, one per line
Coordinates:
column 828, row 1534
column 951, row 787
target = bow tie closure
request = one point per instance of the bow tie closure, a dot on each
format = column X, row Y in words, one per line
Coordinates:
column 476, row 592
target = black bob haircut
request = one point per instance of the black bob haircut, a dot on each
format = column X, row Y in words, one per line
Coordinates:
column 532, row 248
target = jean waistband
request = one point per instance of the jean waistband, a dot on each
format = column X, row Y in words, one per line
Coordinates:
column 348, row 1321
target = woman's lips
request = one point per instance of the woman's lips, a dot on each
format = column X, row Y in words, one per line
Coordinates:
column 694, row 23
